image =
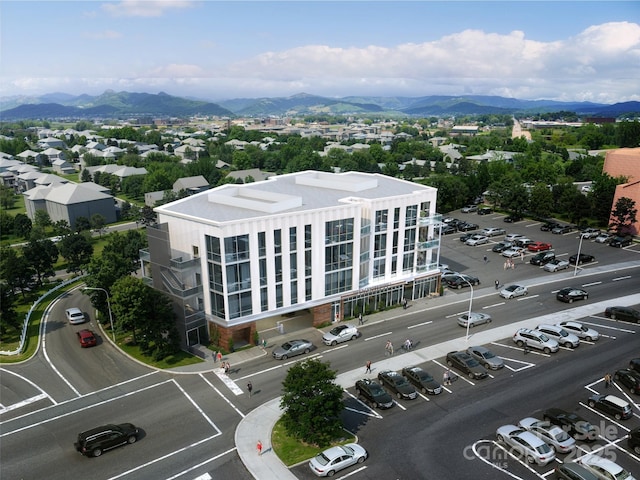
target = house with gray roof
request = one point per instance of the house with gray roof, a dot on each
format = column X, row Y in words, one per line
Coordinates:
column 191, row 185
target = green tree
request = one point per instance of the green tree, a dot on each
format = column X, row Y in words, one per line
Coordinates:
column 42, row 255
column 77, row 251
column 98, row 223
column 541, row 201
column 22, row 225
column 7, row 197
column 623, row 215
column 312, row 403
column 82, row 224
column 16, row 271
column 85, row 176
column 8, row 316
column 603, row 190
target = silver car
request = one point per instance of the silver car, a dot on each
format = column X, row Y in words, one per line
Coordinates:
column 486, row 357
column 526, row 443
column 334, row 459
column 75, row 315
column 604, row 468
column 553, row 435
column 339, row 334
column 580, row 330
column 477, row 240
column 476, row 319
column 555, row 265
column 291, row 349
column 513, row 291
column 560, row 335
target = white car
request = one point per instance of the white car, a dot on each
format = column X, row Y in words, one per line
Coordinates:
column 477, row 240
column 526, row 443
column 75, row 315
column 493, row 231
column 560, row 335
column 513, row 291
column 476, row 319
column 555, row 265
column 553, row 435
column 513, row 252
column 590, row 233
column 579, row 330
column 339, row 334
column 512, row 236
column 334, row 459
column 605, row 469
column 603, row 238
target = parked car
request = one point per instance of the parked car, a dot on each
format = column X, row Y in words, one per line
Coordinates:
column 422, row 380
column 485, row 211
column 467, row 227
column 590, row 233
column 560, row 335
column 86, row 338
column 535, row 339
column 513, row 252
column 466, row 236
column 611, row 405
column 476, row 240
column 604, row 468
column 397, row 384
column 583, row 258
column 555, row 265
column 513, row 291
column 570, row 294
column 493, row 231
column 459, row 281
column 620, row 242
column 634, row 364
column 543, row 258
column 523, row 242
column 75, row 315
column 373, row 392
column 533, row 449
column 548, row 226
column 340, row 333
column 629, row 378
column 574, row 424
column 510, row 237
column 512, row 219
column 476, row 319
column 466, row 364
column 573, row 471
column 100, row 439
column 627, row 314
column 581, row 331
column 337, row 458
column 552, row 435
column 291, row 349
column 603, row 237
column 539, row 246
column 501, row 247
column 561, row 229
column 486, row 357
column 469, row 209
column 633, row 440
column 448, row 230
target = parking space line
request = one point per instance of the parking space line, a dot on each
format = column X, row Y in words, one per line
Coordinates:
column 520, row 348
column 446, row 367
column 605, row 417
column 372, row 412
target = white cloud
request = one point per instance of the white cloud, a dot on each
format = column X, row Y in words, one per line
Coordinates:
column 104, row 35
column 144, row 8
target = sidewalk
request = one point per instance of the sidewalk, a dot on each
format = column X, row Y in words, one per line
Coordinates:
column 259, row 423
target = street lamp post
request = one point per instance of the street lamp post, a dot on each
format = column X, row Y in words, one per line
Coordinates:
column 575, row 270
column 470, row 305
column 113, row 332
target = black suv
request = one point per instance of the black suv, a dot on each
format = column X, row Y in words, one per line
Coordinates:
column 629, row 378
column 620, row 242
column 572, row 423
column 397, row 384
column 485, row 211
column 633, row 440
column 627, row 314
column 373, row 392
column 617, row 407
column 97, row 440
column 542, row 258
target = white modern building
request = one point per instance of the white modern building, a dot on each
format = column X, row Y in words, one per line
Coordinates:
column 326, row 245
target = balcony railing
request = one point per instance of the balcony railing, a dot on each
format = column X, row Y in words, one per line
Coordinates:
column 428, row 244
column 432, row 220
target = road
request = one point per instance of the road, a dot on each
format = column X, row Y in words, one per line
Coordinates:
column 188, row 421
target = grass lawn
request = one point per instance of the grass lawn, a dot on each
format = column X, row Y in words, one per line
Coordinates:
column 292, row 452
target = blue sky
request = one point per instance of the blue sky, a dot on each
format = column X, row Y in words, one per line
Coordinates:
column 562, row 50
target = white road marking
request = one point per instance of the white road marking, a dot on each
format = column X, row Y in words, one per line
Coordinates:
column 378, row 336
column 494, row 305
column 591, row 284
column 420, row 324
column 527, row 297
column 621, row 278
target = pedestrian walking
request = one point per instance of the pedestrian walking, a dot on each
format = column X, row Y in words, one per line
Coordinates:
column 497, row 284
column 389, row 348
column 227, row 367
column 259, row 447
column 446, row 377
column 485, row 259
column 219, row 356
column 360, row 322
column 404, row 303
column 368, row 367
column 249, row 387
column 607, row 380
column 513, row 264
column 506, row 264
column 522, row 256
column 215, row 357
column 525, row 347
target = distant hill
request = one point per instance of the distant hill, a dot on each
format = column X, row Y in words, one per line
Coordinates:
column 113, row 104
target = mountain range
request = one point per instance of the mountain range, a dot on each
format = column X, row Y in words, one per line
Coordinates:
column 112, row 104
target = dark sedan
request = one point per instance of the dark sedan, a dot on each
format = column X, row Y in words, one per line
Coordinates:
column 626, row 314
column 501, row 247
column 572, row 423
column 570, row 294
column 628, row 378
column 399, row 385
column 459, row 281
column 547, row 227
column 422, row 380
column 561, row 229
column 582, row 258
column 467, row 227
column 466, row 364
column 542, row 258
column 448, row 230
column 620, row 242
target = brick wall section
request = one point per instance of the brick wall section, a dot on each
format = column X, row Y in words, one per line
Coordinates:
column 322, row 314
column 625, row 162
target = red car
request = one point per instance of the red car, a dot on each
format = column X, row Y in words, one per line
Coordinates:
column 539, row 247
column 86, row 338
